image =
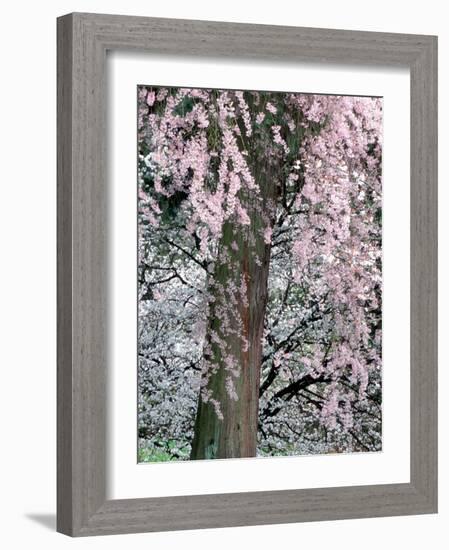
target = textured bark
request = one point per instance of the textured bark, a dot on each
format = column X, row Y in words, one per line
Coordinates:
column 235, row 435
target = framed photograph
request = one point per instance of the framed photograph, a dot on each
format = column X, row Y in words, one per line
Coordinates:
column 247, row 274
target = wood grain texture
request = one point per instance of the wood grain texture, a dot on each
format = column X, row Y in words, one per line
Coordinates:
column 83, row 40
column 64, row 276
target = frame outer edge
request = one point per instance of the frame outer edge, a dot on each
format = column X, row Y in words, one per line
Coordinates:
column 64, row 274
column 424, row 273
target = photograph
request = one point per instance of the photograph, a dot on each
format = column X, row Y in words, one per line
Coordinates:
column 259, row 273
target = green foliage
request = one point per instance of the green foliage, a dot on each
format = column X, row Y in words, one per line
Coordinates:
column 170, row 205
column 162, row 452
column 184, row 106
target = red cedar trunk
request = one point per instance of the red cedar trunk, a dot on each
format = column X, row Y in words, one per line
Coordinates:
column 236, row 434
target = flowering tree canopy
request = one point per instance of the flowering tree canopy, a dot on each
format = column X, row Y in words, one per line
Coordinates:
column 259, row 272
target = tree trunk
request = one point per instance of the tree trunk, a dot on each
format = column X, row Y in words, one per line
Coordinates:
column 227, row 419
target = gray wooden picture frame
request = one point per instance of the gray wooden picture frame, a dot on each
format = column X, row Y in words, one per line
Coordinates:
column 83, row 40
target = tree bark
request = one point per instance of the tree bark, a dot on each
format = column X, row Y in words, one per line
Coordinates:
column 244, row 256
